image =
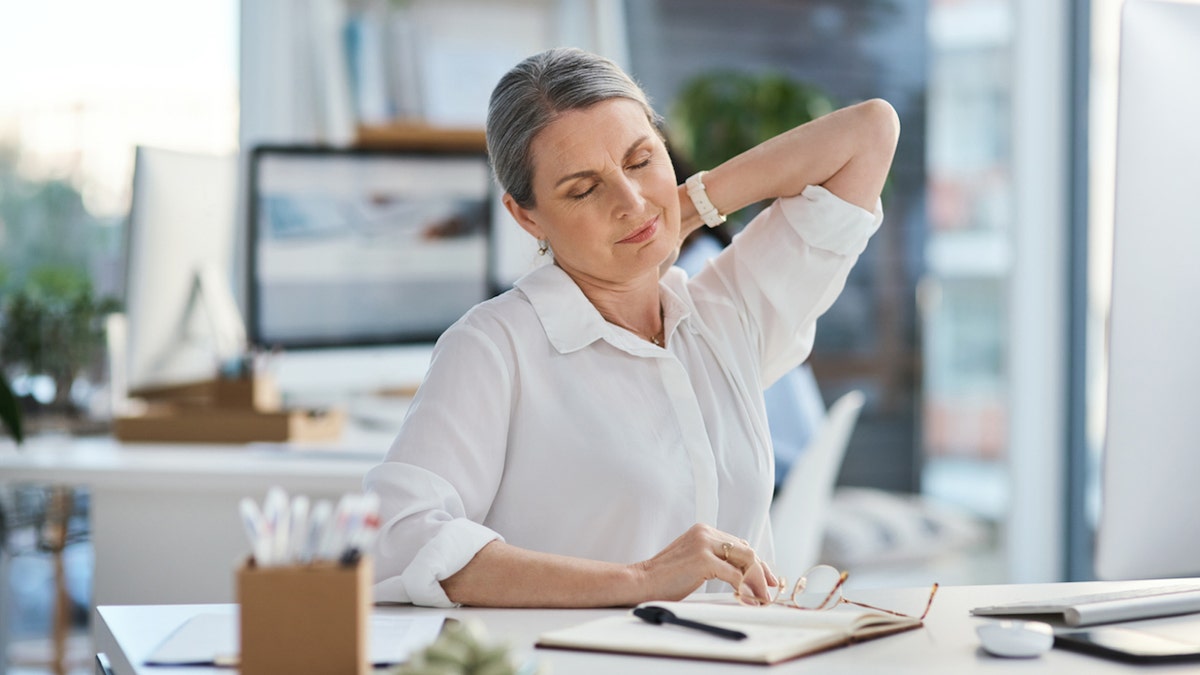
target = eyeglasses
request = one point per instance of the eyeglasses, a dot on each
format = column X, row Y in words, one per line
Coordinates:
column 820, row 588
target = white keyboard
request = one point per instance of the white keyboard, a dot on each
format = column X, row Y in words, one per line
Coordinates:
column 1093, row 598
column 1126, row 605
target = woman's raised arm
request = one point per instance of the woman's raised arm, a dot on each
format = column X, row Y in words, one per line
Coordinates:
column 848, row 152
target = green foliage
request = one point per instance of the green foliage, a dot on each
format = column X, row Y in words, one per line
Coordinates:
column 461, row 649
column 52, row 325
column 720, row 114
column 10, row 413
column 49, row 319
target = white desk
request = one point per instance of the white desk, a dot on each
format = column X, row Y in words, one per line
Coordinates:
column 165, row 524
column 948, row 643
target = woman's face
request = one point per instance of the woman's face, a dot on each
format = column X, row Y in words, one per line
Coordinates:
column 605, row 194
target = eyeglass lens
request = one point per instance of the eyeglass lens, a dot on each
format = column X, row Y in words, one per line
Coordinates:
column 820, row 587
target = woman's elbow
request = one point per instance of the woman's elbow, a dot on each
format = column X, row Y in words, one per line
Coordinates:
column 881, row 124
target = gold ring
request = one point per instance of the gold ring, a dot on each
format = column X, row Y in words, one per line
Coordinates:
column 725, row 549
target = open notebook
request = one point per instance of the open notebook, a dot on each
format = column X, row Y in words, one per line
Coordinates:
column 774, row 634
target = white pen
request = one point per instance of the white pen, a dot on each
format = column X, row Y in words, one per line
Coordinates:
column 347, row 543
column 298, row 529
column 352, row 544
column 252, row 520
column 370, row 522
column 275, row 512
column 361, row 529
column 318, row 522
column 335, row 529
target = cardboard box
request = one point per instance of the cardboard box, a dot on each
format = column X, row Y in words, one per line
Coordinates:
column 243, row 410
column 246, row 393
column 185, row 424
column 312, row 619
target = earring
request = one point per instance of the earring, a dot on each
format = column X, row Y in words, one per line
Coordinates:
column 543, row 246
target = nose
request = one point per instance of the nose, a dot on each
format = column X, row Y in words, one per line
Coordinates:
column 629, row 199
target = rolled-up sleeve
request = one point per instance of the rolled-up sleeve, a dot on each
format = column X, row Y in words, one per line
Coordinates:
column 442, row 472
column 786, row 269
column 827, row 222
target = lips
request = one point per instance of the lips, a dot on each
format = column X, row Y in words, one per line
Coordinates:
column 643, row 233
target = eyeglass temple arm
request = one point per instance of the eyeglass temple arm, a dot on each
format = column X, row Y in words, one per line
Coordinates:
column 833, row 591
column 928, row 605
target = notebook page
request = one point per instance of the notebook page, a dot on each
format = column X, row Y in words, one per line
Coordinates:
column 628, row 634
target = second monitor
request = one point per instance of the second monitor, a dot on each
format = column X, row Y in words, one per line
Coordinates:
column 357, row 247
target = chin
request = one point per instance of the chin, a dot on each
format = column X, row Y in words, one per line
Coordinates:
column 664, row 255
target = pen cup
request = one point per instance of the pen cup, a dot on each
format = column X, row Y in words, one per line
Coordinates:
column 305, row 618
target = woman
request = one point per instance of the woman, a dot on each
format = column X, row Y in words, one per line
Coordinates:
column 596, row 436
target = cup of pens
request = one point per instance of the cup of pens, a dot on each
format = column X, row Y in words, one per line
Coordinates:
column 304, row 594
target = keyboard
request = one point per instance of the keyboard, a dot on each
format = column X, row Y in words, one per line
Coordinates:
column 1093, row 598
column 1094, row 608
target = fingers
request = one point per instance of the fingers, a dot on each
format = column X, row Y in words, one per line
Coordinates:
column 744, row 571
column 704, row 552
column 754, row 583
column 772, row 580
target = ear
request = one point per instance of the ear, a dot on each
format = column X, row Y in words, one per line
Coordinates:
column 523, row 216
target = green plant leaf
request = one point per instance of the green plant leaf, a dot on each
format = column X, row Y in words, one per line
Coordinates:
column 721, row 113
column 10, row 413
column 53, row 325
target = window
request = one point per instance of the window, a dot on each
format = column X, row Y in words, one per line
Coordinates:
column 83, row 84
column 95, row 80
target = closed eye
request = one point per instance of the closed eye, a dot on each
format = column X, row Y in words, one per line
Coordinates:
column 585, row 193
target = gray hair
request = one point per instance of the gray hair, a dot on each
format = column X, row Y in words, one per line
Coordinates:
column 532, row 95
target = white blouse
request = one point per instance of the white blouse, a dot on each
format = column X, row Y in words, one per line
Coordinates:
column 541, row 424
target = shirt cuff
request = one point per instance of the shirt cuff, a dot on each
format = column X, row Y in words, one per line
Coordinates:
column 827, row 222
column 455, row 545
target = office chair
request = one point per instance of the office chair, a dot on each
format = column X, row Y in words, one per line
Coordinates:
column 799, row 512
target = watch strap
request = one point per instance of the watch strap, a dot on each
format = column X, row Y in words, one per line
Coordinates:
column 704, row 206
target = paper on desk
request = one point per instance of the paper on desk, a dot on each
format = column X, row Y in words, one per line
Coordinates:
column 203, row 640
column 212, row 640
column 395, row 638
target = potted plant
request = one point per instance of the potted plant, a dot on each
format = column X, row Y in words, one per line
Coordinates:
column 51, row 325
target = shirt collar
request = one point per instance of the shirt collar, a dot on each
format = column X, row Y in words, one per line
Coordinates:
column 572, row 322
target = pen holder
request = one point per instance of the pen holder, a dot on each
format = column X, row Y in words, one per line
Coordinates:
column 305, row 618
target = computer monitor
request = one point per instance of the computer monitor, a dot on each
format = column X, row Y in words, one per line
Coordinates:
column 182, row 317
column 353, row 247
column 1150, row 494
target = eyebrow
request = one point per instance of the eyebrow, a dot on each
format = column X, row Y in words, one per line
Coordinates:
column 589, row 172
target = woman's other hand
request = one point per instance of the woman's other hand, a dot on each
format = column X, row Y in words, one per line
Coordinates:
column 503, row 575
column 701, row 554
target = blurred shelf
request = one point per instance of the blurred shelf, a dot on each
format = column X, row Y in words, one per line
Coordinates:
column 420, row 136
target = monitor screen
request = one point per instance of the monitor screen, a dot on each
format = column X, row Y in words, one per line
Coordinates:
column 1151, row 464
column 359, row 247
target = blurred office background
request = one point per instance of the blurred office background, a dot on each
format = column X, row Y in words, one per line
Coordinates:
column 973, row 324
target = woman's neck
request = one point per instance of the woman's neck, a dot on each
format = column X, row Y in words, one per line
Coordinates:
column 634, row 306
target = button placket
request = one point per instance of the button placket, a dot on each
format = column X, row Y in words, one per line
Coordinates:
column 695, row 437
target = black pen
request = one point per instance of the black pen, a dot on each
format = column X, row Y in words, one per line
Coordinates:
column 660, row 615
